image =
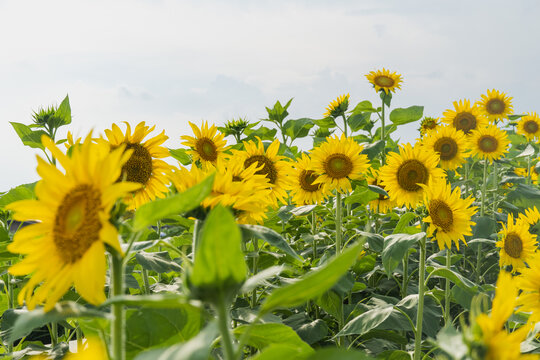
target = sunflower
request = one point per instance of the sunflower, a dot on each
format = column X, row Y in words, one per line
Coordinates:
column 403, row 173
column 303, row 189
column 529, row 284
column 531, row 216
column 338, row 161
column 489, row 142
column 144, row 166
column 94, row 349
column 517, row 243
column 427, row 125
column 495, row 105
column 70, row 142
column 338, row 106
column 384, row 80
column 464, row 117
column 207, row 146
column 529, row 126
column 449, row 143
column 449, row 215
column 67, row 244
column 383, row 204
column 523, row 172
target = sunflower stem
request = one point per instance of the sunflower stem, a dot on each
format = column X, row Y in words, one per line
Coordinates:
column 54, row 334
column 79, row 335
column 421, row 290
column 146, row 281
column 344, row 124
column 447, row 290
column 529, row 170
column 117, row 326
column 313, row 230
column 405, row 275
column 383, row 135
column 466, row 178
column 482, row 212
column 338, row 223
column 255, row 265
column 224, row 328
column 495, row 184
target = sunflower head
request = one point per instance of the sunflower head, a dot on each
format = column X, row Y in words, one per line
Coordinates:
column 338, row 107
column 384, row 80
column 449, row 143
column 464, row 117
column 495, row 105
column 383, row 204
column 207, row 146
column 529, row 126
column 529, row 284
column 489, row 142
column 304, row 188
column 427, row 125
column 516, row 242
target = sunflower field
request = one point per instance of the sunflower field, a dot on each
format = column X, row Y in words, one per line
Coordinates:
column 243, row 242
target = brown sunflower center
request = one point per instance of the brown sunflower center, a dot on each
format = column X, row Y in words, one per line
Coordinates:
column 487, row 143
column 495, row 106
column 268, row 168
column 447, row 147
column 441, row 215
column 306, row 178
column 338, row 166
column 384, row 81
column 77, row 224
column 139, row 166
column 513, row 245
column 206, row 149
column 410, row 174
column 531, row 127
column 237, row 178
column 465, row 122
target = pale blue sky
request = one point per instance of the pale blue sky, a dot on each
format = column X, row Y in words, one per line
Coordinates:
column 169, row 62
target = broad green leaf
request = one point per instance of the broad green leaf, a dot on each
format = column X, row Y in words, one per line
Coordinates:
column 373, row 150
column 281, row 351
column 364, row 106
column 394, row 355
column 451, row 342
column 529, row 151
column 366, row 321
column 21, row 192
column 375, row 241
column 28, row 136
column 455, row 277
column 297, row 128
column 378, row 190
column 524, row 196
column 331, row 302
column 358, row 121
column 262, row 132
column 515, row 117
column 485, row 226
column 270, row 236
column 303, row 210
column 181, row 155
column 402, row 116
column 63, row 113
column 361, row 195
column 278, row 113
column 261, row 277
column 395, row 248
column 326, row 123
column 149, row 213
column 314, row 283
column 339, row 353
column 4, row 236
column 386, row 98
column 404, row 221
column 162, row 300
column 262, row 335
column 159, row 262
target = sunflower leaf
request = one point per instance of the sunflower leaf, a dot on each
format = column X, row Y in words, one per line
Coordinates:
column 28, row 136
column 395, row 248
column 400, row 116
column 270, row 236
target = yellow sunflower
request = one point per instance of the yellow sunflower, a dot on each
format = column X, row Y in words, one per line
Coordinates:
column 303, row 189
column 495, row 105
column 529, row 126
column 531, row 216
column 523, row 172
column 384, row 80
column 70, row 142
column 207, row 146
column 67, row 244
column 403, row 173
column 338, row 161
column 383, row 204
column 449, row 215
column 516, row 242
column 449, row 143
column 338, row 106
column 529, row 284
column 93, row 349
column 489, row 142
column 144, row 166
column 427, row 125
column 464, row 117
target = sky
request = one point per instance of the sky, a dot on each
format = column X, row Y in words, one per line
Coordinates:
column 170, row 62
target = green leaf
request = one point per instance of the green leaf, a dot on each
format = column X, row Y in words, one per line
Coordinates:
column 297, row 128
column 262, row 132
column 515, row 117
column 529, row 150
column 395, row 248
column 159, row 262
column 451, row 342
column 281, row 351
column 278, row 113
column 151, row 212
column 262, row 335
column 403, row 222
column 314, row 283
column 326, row 123
column 455, row 277
column 28, row 136
column 373, row 150
column 331, row 302
column 524, row 196
column 163, row 300
column 337, row 353
column 21, row 192
column 386, row 98
column 303, row 210
column 378, row 190
column 485, row 226
column 63, row 113
column 359, row 120
column 270, row 236
column 181, row 155
column 400, row 116
column 261, row 277
column 364, row 106
column 361, row 195
column 366, row 321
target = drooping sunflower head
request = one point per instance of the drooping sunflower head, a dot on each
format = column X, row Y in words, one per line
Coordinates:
column 404, row 173
column 495, row 105
column 516, row 242
column 303, row 186
column 384, row 80
column 338, row 107
column 67, row 243
column 449, row 143
column 338, row 161
column 449, row 215
column 489, row 142
column 207, row 146
column 529, row 126
column 464, row 117
column 427, row 125
column 383, row 204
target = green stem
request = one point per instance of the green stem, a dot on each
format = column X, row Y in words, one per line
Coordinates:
column 466, row 178
column 146, row 281
column 313, row 230
column 405, row 279
column 338, row 223
column 344, row 124
column 529, row 170
column 383, row 134
column 495, row 184
column 447, row 290
column 117, row 325
column 421, row 290
column 255, row 265
column 224, row 328
column 54, row 334
column 79, row 335
column 482, row 212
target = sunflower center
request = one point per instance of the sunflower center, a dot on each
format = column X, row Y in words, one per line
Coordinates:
column 384, row 81
column 139, row 166
column 410, row 174
column 338, row 166
column 513, row 245
column 487, row 143
column 268, row 168
column 207, row 149
column 307, row 177
column 495, row 106
column 77, row 224
column 447, row 147
column 531, row 127
column 237, row 178
column 441, row 214
column 465, row 122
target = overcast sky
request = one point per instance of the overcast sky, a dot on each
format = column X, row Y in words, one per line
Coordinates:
column 169, row 62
